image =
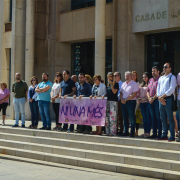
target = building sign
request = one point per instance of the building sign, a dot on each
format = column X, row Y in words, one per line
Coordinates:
column 150, row 15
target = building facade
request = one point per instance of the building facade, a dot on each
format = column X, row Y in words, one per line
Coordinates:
column 90, row 36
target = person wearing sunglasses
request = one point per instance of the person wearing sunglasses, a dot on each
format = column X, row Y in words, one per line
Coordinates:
column 144, row 105
column 154, row 103
column 33, row 103
column 20, row 90
column 55, row 98
column 165, row 90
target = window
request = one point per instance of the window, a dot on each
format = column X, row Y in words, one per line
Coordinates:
column 10, row 13
column 78, row 4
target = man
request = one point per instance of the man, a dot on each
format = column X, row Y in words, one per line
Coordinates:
column 83, row 90
column 154, row 103
column 67, row 89
column 128, row 94
column 74, row 78
column 165, row 90
column 120, row 118
column 44, row 89
column 20, row 90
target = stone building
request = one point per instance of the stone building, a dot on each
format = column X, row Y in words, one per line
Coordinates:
column 90, row 36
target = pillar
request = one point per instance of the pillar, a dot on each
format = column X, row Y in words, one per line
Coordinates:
column 100, row 37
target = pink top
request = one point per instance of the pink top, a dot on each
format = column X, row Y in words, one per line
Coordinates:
column 178, row 83
column 142, row 93
column 3, row 94
column 128, row 89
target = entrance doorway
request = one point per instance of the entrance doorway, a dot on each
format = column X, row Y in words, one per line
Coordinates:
column 162, row 48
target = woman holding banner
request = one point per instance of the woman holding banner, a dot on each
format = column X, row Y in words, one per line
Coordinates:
column 98, row 90
column 112, row 105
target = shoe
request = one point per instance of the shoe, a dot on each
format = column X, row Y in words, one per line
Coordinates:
column 94, row 132
column 86, row 132
column 171, row 139
column 55, row 128
column 48, row 128
column 15, row 125
column 162, row 138
column 178, row 140
column 152, row 137
column 98, row 133
column 3, row 124
column 120, row 133
column 23, row 126
column 42, row 128
column 125, row 134
column 69, row 131
column 132, row 135
column 62, row 130
column 78, row 131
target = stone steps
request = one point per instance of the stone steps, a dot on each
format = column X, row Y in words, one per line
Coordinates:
column 125, row 155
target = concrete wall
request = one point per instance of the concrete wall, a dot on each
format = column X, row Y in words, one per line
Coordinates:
column 79, row 25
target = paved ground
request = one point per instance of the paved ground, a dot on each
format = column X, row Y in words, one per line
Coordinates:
column 14, row 170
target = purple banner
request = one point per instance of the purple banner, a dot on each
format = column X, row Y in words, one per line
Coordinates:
column 83, row 111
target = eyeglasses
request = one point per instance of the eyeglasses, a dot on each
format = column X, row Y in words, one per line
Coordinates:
column 57, row 75
column 165, row 67
column 33, row 80
column 95, row 80
column 144, row 77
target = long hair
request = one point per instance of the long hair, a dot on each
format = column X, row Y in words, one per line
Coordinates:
column 111, row 74
column 60, row 75
column 137, row 79
column 143, row 84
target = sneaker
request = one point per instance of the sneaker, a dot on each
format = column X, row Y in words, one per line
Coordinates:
column 171, row 139
column 69, row 131
column 48, row 128
column 152, row 137
column 178, row 140
column 78, row 131
column 43, row 128
column 23, row 126
column 125, row 134
column 162, row 138
column 3, row 124
column 55, row 128
column 15, row 125
column 63, row 130
column 86, row 132
column 132, row 135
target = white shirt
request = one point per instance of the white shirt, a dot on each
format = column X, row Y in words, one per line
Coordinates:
column 55, row 91
column 101, row 89
column 120, row 84
column 165, row 86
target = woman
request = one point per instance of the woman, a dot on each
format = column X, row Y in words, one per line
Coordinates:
column 55, row 99
column 33, row 103
column 112, row 105
column 98, row 90
column 4, row 100
column 144, row 105
column 89, row 79
column 135, row 78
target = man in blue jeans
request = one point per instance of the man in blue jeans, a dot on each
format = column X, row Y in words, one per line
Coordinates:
column 154, row 103
column 20, row 90
column 165, row 93
column 43, row 89
column 128, row 94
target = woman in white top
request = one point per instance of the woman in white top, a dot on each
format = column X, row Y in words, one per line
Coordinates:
column 55, row 98
column 98, row 90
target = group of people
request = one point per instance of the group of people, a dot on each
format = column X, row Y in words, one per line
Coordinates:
column 154, row 97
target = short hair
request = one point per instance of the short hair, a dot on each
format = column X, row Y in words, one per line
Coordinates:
column 61, row 77
column 4, row 84
column 170, row 65
column 155, row 67
column 118, row 73
column 17, row 73
column 128, row 72
column 81, row 74
column 97, row 76
column 67, row 72
column 136, row 75
column 34, row 77
column 110, row 74
column 45, row 74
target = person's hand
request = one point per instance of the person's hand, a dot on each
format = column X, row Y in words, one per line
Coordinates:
column 80, row 96
column 139, row 100
column 103, row 97
column 30, row 100
column 151, row 100
column 123, row 101
column 1, row 101
column 74, row 96
column 95, row 97
column 65, row 96
column 60, row 97
column 90, row 96
column 53, row 101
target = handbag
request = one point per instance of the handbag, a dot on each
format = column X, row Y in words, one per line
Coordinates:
column 139, row 118
column 174, row 99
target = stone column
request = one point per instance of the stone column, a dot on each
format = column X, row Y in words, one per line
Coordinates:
column 29, row 51
column 100, row 37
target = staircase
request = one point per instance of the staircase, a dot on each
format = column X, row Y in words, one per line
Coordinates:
column 135, row 156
